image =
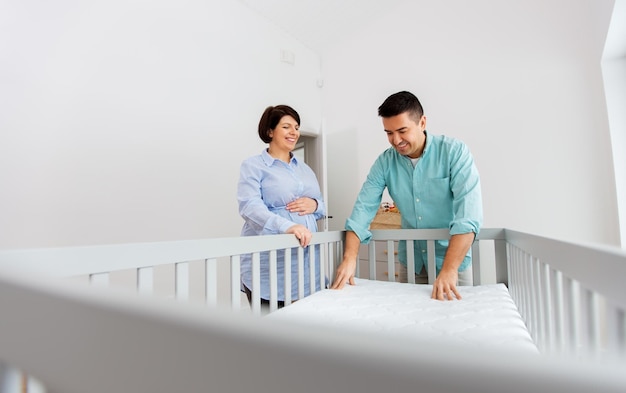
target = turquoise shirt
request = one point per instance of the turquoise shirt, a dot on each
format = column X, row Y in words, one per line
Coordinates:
column 442, row 191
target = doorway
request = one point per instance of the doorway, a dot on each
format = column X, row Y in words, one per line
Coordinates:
column 310, row 149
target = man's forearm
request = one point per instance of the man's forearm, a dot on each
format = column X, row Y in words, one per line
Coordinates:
column 351, row 245
column 458, row 247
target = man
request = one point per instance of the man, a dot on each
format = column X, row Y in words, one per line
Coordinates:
column 434, row 183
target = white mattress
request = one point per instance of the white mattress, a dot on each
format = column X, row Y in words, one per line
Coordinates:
column 485, row 317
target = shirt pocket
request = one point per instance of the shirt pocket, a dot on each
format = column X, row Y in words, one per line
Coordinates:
column 439, row 189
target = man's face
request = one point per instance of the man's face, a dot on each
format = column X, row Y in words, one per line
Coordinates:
column 405, row 134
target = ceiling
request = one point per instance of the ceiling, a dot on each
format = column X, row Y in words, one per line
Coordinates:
column 319, row 23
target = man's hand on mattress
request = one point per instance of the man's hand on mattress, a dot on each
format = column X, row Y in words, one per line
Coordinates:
column 302, row 233
column 444, row 287
column 345, row 274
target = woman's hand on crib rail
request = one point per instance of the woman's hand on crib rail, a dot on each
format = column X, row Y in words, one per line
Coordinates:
column 302, row 234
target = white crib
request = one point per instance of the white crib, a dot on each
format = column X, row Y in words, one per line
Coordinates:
column 170, row 317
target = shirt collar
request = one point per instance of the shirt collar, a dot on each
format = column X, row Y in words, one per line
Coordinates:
column 269, row 160
column 428, row 140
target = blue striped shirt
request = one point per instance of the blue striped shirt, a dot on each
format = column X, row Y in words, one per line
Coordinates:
column 265, row 187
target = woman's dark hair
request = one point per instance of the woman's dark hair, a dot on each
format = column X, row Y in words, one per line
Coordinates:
column 399, row 103
column 271, row 117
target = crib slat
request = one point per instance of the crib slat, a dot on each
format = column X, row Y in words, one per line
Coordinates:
column 288, row 284
column 410, row 261
column 476, row 265
column 330, row 262
column 391, row 276
column 273, row 282
column 211, row 281
column 432, row 264
column 572, row 307
column 323, row 248
column 145, row 280
column 181, row 281
column 312, row 268
column 235, row 282
column 372, row 260
column 546, row 304
column 524, row 285
column 324, row 260
column 558, row 332
column 256, row 283
column 589, row 328
column 535, row 301
column 300, row 272
column 616, row 333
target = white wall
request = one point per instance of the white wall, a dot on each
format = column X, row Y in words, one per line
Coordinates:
column 126, row 120
column 519, row 81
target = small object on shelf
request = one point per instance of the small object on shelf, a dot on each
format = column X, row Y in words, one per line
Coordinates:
column 387, row 217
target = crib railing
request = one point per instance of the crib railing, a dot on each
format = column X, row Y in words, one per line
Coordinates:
column 571, row 296
column 206, row 270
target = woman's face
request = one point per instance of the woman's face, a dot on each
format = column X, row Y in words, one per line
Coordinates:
column 286, row 134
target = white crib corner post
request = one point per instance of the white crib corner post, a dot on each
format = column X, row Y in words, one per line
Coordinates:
column 502, row 266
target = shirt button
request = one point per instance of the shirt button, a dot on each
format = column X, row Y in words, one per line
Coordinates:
column 417, row 200
column 423, row 251
column 419, row 218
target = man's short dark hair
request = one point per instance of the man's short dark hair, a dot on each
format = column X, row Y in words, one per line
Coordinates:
column 401, row 102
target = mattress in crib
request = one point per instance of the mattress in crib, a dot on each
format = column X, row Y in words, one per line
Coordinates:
column 486, row 316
